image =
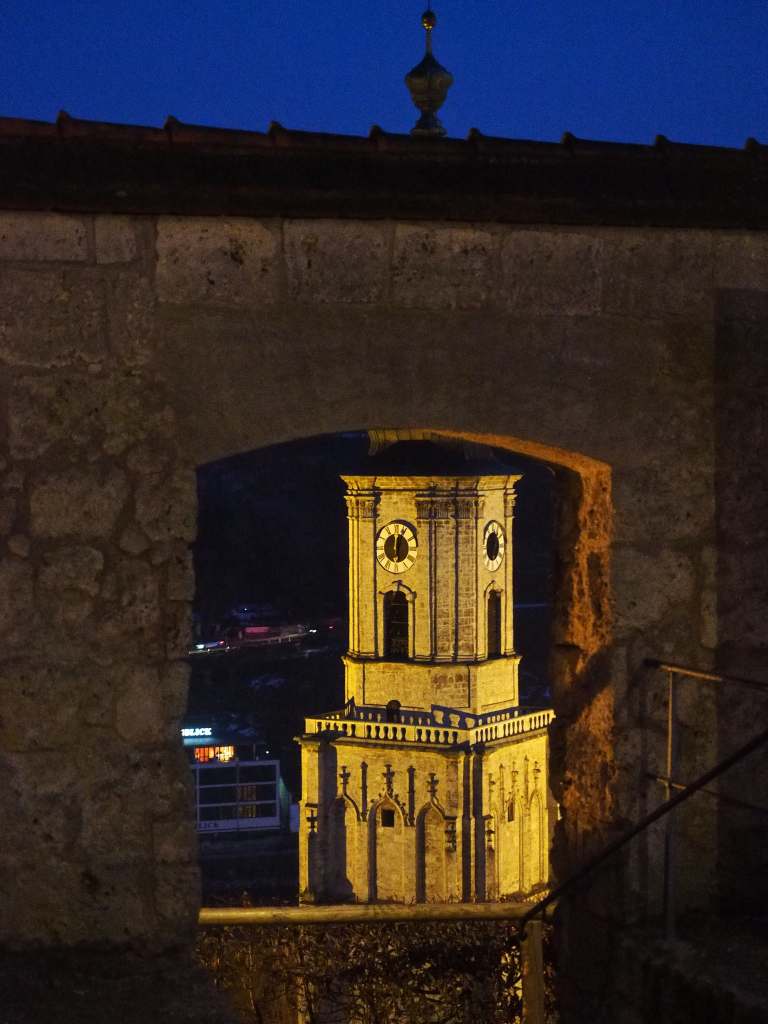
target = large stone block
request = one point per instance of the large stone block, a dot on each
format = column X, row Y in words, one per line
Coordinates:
column 743, row 597
column 115, row 239
column 173, row 839
column 708, row 619
column 174, row 687
column 130, row 608
column 148, row 459
column 75, row 567
column 116, row 825
column 110, row 413
column 166, row 507
column 8, row 506
column 337, row 261
column 133, row 541
column 658, row 274
column 178, row 629
column 66, row 615
column 648, row 585
column 77, row 501
column 139, row 717
column 42, row 236
column 39, row 706
column 77, row 903
column 216, row 261
column 131, row 315
column 176, row 899
column 551, row 272
column 149, row 784
column 51, row 318
column 17, row 609
column 41, row 797
column 444, row 267
column 180, row 585
column 651, row 501
column 740, row 261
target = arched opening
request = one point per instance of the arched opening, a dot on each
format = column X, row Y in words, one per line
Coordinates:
column 494, row 624
column 299, row 553
column 395, row 625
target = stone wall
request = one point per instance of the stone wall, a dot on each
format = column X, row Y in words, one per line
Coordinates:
column 97, row 512
column 135, row 348
column 487, row 809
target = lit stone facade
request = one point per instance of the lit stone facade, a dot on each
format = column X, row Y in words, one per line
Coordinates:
column 431, row 783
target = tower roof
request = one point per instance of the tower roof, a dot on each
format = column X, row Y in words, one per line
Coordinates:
column 427, row 458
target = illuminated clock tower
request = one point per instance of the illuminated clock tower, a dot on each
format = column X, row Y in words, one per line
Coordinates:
column 431, row 782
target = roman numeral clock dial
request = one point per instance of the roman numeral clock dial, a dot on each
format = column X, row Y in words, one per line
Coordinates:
column 396, row 547
column 493, row 546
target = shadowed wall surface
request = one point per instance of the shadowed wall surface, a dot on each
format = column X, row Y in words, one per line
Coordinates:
column 137, row 347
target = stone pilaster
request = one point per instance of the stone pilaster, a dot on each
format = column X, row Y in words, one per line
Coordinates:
column 508, row 616
column 425, row 625
column 468, row 510
column 436, row 513
column 363, row 616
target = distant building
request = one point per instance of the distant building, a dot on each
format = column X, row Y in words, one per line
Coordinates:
column 431, row 783
column 237, row 789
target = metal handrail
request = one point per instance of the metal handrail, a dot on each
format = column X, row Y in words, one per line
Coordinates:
column 732, row 801
column 677, row 674
column 362, row 913
column 712, row 677
column 686, row 791
column 531, row 950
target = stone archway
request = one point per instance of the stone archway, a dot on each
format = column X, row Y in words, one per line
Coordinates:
column 135, row 348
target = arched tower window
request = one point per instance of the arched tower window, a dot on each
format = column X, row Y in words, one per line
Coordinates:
column 494, row 624
column 395, row 625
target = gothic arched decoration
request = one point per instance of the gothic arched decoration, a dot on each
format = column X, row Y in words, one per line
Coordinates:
column 431, row 881
column 492, row 839
column 386, row 851
column 340, row 858
column 535, row 850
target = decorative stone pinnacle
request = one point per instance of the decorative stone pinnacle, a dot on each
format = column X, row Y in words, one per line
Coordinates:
column 428, row 84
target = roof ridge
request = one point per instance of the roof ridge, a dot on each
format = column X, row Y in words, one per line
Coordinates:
column 175, row 130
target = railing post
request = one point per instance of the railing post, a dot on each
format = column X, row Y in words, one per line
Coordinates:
column 532, row 966
column 669, row 824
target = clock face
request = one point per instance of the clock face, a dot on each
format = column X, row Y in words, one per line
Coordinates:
column 396, row 547
column 493, row 545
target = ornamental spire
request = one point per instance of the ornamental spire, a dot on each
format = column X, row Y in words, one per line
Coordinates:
column 428, row 84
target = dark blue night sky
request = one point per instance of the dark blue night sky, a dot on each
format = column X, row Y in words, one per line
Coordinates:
column 694, row 70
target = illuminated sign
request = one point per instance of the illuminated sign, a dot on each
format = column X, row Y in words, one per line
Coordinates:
column 202, row 731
